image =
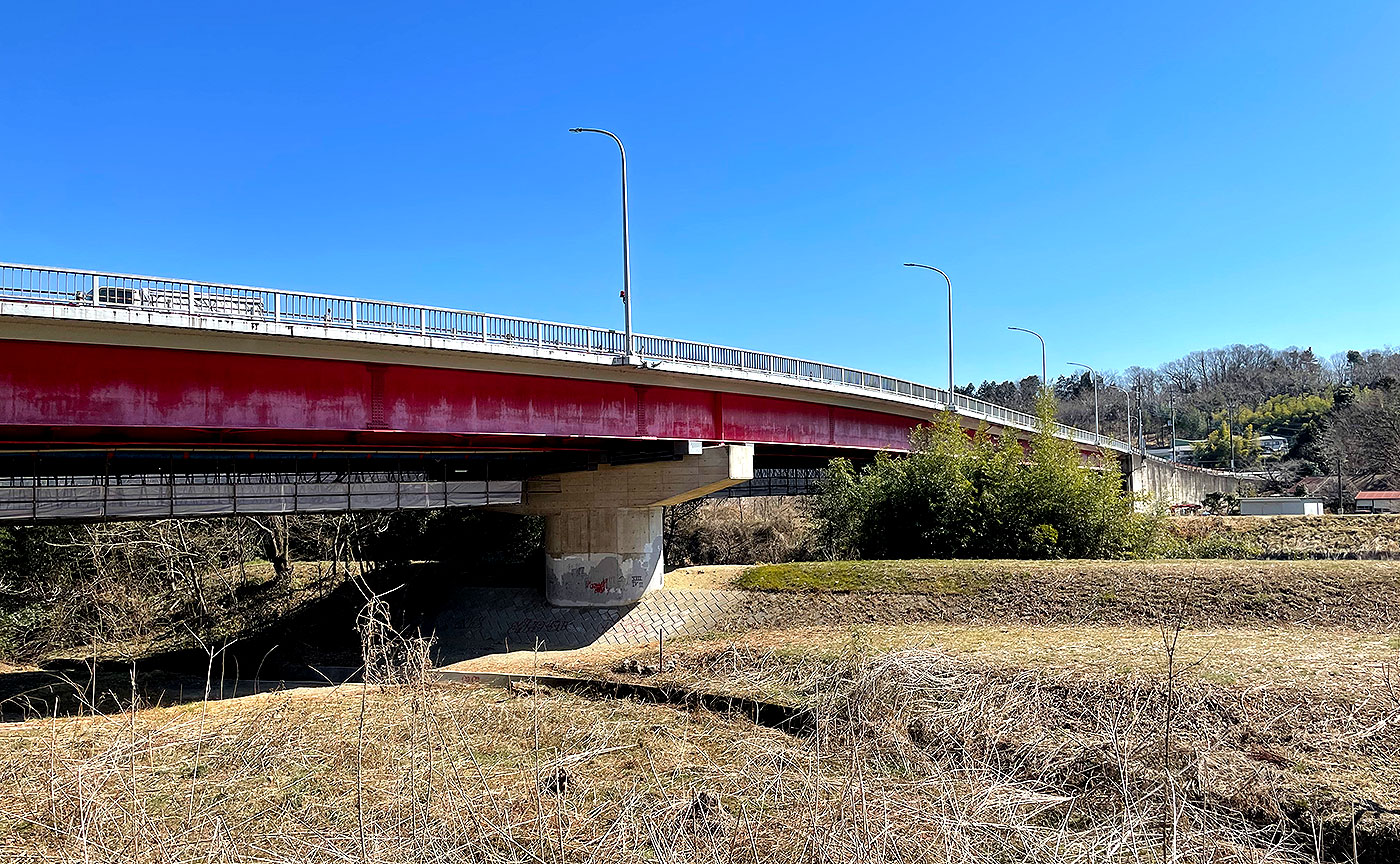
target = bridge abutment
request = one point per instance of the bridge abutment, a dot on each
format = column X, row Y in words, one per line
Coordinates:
column 603, row 528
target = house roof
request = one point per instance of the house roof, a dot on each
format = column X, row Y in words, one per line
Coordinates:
column 1377, row 496
column 1327, row 485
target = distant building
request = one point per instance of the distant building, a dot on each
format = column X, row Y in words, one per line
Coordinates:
column 1378, row 502
column 1182, row 452
column 1278, row 506
column 1273, row 444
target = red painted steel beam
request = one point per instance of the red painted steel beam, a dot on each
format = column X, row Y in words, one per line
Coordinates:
column 75, row 392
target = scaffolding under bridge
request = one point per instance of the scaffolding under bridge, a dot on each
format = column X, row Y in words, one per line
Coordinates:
column 774, row 482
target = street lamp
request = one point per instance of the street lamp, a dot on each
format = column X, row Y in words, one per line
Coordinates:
column 1093, row 379
column 1044, row 378
column 950, row 324
column 626, row 250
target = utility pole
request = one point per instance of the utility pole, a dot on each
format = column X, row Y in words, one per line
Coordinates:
column 1142, row 434
column 1340, row 499
column 1171, row 400
column 1129, row 439
column 1230, row 418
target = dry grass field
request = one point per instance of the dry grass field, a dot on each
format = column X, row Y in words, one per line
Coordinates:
column 1355, row 535
column 916, row 757
column 1253, row 718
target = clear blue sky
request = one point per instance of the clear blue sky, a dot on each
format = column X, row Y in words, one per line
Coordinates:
column 1134, row 180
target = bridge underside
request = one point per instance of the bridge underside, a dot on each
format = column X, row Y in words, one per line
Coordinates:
column 602, row 519
column 59, row 484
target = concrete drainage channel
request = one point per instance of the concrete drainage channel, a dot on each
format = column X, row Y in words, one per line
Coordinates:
column 774, row 715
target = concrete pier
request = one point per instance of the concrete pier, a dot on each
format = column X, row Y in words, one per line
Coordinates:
column 602, row 556
column 603, row 528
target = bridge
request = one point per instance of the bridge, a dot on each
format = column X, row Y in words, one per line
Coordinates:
column 126, row 396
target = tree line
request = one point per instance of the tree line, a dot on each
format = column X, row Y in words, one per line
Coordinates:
column 1341, row 410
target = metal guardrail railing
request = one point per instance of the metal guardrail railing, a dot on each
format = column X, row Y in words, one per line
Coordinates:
column 204, row 300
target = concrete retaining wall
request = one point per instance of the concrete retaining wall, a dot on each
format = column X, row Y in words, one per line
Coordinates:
column 1171, row 483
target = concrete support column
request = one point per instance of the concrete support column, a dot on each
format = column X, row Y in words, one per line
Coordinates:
column 602, row 556
column 603, row 528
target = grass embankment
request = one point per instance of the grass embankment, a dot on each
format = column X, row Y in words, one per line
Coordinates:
column 1310, row 624
column 969, row 712
column 412, row 774
column 1362, row 595
column 1275, row 661
column 768, row 664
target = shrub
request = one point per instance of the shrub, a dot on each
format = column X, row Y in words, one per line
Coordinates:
column 956, row 495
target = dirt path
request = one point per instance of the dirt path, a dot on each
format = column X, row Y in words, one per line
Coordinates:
column 713, row 577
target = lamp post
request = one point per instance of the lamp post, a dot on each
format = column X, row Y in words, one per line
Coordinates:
column 1093, row 379
column 626, row 250
column 1044, row 378
column 1172, row 404
column 950, row 324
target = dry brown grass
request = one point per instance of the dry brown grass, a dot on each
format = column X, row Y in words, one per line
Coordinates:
column 933, row 743
column 767, row 663
column 916, row 760
column 1270, row 725
column 1301, row 536
column 740, row 531
column 1142, row 741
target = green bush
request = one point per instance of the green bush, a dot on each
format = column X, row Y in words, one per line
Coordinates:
column 957, row 495
column 1214, row 451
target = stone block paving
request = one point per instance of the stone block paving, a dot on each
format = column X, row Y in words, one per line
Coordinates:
column 483, row 620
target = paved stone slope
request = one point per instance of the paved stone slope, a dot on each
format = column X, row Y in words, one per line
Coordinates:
column 504, row 619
